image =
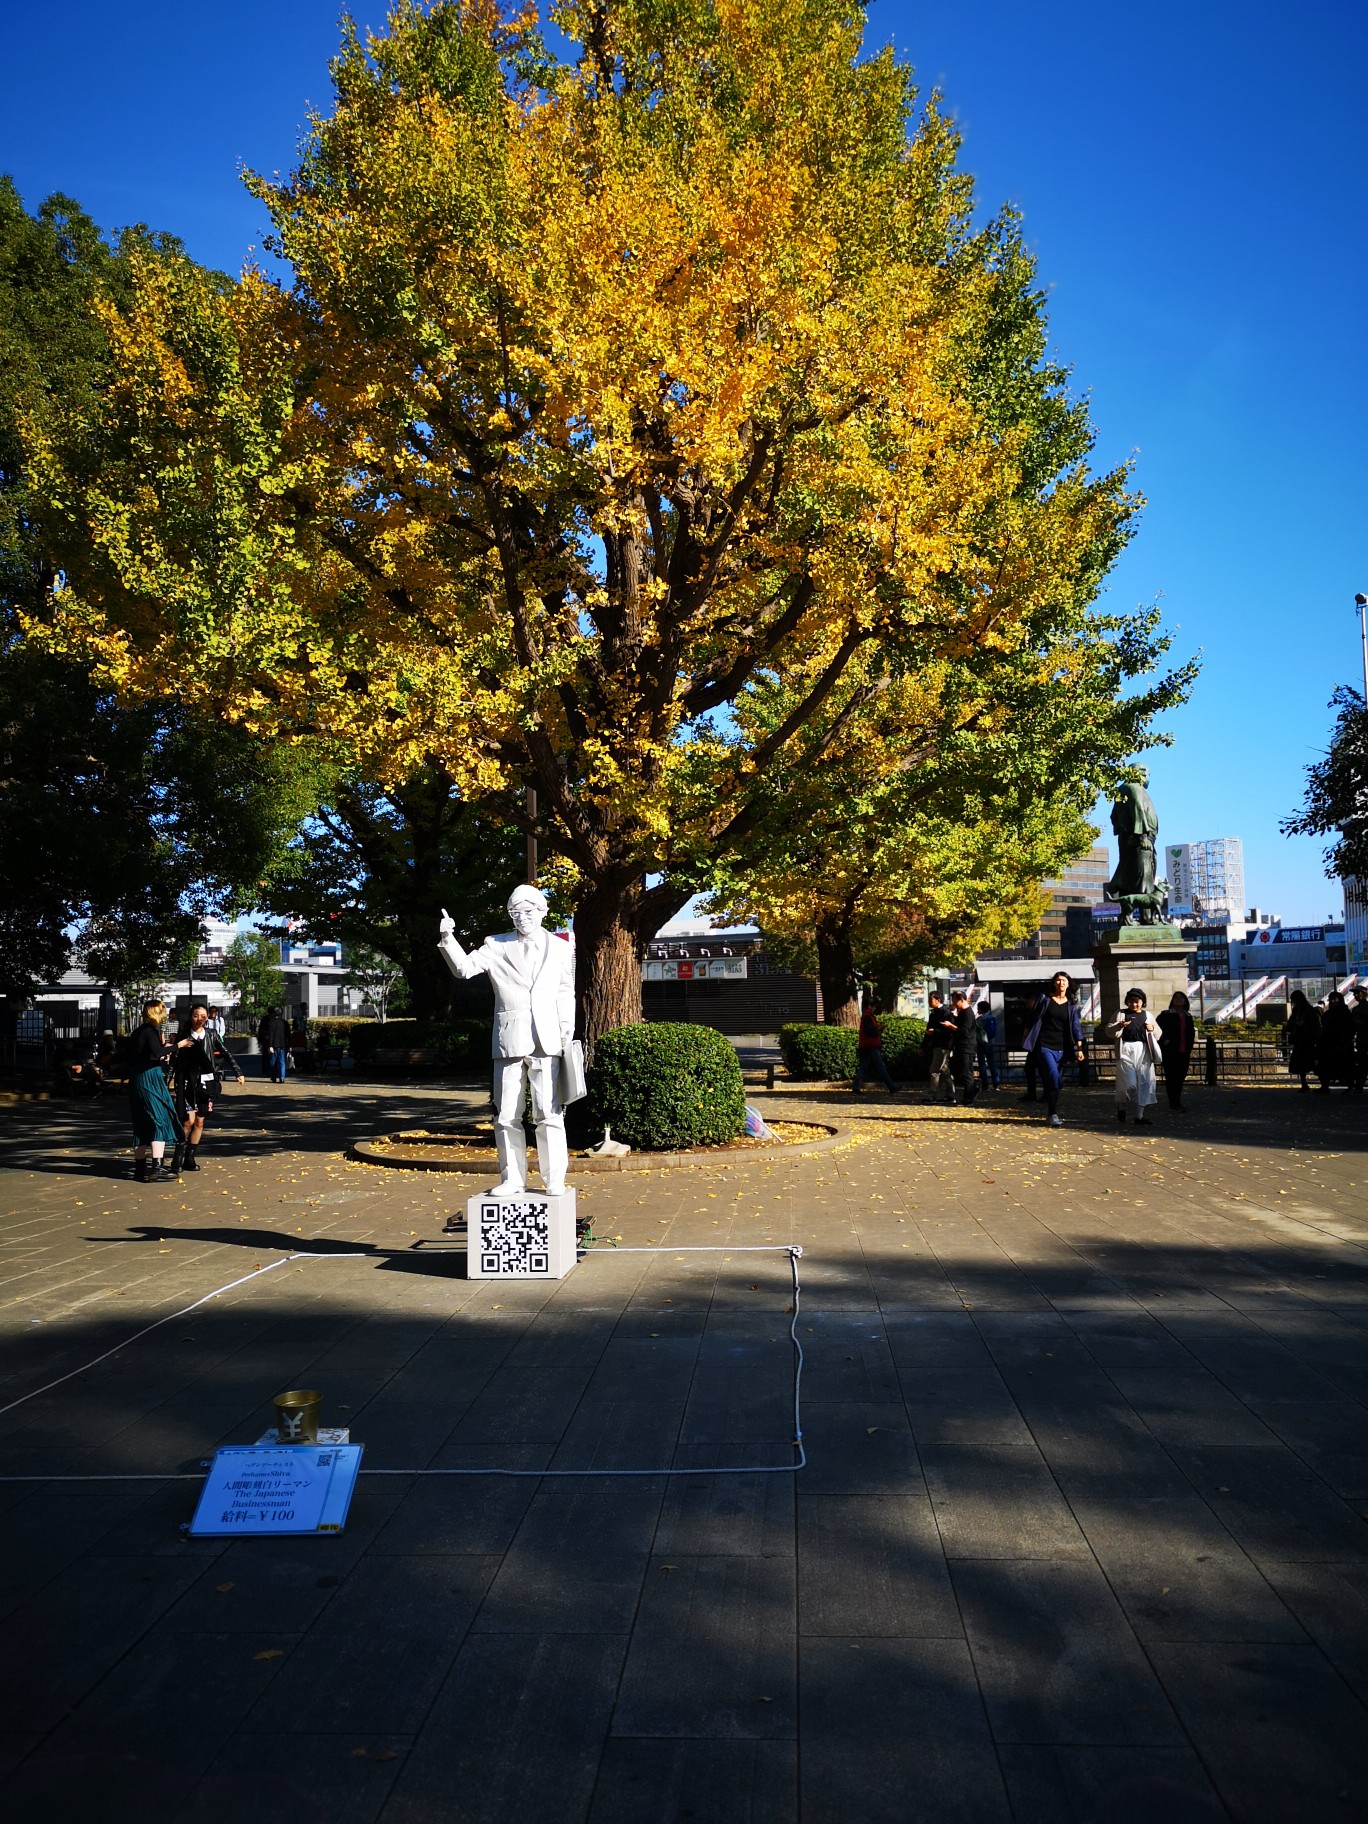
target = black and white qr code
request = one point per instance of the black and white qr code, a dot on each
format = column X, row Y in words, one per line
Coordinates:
column 515, row 1238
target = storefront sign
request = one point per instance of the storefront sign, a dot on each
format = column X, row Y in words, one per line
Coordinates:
column 696, row 969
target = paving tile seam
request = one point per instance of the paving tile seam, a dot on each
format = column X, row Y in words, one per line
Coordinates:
column 940, row 1537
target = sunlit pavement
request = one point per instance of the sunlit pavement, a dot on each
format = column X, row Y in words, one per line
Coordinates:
column 1081, row 1534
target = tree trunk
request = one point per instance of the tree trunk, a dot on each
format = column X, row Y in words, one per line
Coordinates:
column 836, row 974
column 426, row 975
column 608, row 961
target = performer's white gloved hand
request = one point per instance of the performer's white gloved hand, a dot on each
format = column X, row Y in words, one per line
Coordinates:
column 447, row 927
column 567, row 1037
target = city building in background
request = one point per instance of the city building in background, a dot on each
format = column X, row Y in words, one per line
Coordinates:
column 1085, row 927
column 1355, row 921
column 1080, row 888
column 1206, row 879
column 1220, row 941
column 1295, row 950
column 703, row 975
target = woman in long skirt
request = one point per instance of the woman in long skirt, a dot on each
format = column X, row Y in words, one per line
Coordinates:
column 1135, row 1033
column 149, row 1100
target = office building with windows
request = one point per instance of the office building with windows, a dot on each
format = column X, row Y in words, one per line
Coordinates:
column 1206, row 879
column 1081, row 886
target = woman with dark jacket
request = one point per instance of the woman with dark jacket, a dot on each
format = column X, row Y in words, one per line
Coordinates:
column 1177, row 1042
column 200, row 1066
column 1055, row 1030
column 149, row 1100
column 1302, row 1037
column 1335, row 1053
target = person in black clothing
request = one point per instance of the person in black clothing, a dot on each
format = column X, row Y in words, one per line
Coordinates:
column 149, row 1100
column 273, row 1035
column 1335, row 1053
column 1055, row 1033
column 987, row 1032
column 1177, row 1040
column 941, row 1028
column 965, row 1048
column 1358, row 1013
column 199, row 1060
column 1301, row 1036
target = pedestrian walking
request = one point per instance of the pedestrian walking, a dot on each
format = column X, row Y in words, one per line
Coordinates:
column 1135, row 1033
column 941, row 1027
column 1177, row 1041
column 869, row 1053
column 199, row 1064
column 149, row 1100
column 1301, row 1037
column 965, row 1048
column 1055, row 1031
column 273, row 1036
column 1359, row 1014
column 1335, row 1049
column 985, row 1044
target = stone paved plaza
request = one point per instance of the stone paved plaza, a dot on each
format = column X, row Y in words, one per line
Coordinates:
column 1081, row 1535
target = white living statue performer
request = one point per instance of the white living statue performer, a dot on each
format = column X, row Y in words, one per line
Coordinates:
column 533, row 974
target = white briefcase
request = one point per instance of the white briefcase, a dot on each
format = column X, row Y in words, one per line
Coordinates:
column 572, row 1084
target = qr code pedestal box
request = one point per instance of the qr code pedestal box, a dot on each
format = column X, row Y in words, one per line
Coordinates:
column 530, row 1236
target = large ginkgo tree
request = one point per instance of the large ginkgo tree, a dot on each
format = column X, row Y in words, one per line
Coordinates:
column 599, row 386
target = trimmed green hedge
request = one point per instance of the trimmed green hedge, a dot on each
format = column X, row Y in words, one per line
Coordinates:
column 826, row 1054
column 902, row 1037
column 339, row 1031
column 821, row 1054
column 665, row 1085
column 452, row 1044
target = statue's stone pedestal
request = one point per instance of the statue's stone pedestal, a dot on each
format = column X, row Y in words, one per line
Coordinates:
column 530, row 1236
column 1152, row 957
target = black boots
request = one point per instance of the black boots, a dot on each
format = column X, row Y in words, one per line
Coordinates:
column 191, row 1164
column 151, row 1171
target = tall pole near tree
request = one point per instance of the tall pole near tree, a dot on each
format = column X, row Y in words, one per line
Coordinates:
column 1361, row 603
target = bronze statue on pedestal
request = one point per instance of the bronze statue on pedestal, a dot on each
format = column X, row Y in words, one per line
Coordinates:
column 1134, row 885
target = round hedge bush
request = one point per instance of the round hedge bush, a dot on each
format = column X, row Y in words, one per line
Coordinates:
column 826, row 1054
column 818, row 1053
column 665, row 1085
column 902, row 1037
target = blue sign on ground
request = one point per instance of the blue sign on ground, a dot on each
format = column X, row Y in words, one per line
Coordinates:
column 278, row 1488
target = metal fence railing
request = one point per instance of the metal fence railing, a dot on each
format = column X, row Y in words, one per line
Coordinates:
column 1218, row 1062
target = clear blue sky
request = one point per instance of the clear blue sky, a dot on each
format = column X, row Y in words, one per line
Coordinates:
column 1191, row 178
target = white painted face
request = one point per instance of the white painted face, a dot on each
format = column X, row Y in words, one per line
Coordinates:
column 527, row 913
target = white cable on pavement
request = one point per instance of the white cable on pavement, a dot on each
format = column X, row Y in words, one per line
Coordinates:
column 149, row 1328
column 793, row 1251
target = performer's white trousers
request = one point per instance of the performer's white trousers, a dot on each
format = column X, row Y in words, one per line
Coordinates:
column 510, row 1077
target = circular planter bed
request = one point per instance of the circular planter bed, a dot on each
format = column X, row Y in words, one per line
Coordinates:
column 471, row 1149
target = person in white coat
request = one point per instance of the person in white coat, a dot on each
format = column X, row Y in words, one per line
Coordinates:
column 533, row 974
column 1135, row 1033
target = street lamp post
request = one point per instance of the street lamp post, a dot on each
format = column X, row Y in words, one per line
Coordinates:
column 1361, row 603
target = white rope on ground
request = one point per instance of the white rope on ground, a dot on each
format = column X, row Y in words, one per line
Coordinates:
column 793, row 1251
column 170, row 1319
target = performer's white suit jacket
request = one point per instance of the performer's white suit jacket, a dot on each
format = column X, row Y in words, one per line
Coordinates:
column 534, row 993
